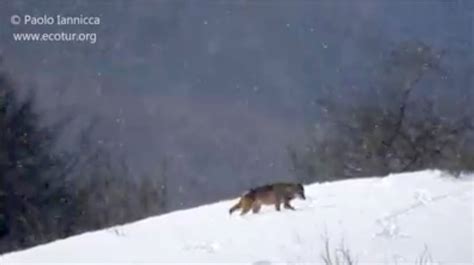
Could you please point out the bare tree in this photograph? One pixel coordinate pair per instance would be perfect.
(394, 130)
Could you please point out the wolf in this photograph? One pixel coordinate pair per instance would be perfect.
(271, 194)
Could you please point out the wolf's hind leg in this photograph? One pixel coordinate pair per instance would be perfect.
(244, 211)
(256, 207)
(246, 206)
(277, 204)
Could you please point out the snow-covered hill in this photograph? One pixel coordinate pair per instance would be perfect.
(381, 220)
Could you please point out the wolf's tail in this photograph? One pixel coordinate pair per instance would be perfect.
(234, 208)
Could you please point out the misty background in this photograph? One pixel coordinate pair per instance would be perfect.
(214, 97)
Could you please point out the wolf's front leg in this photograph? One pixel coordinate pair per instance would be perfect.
(287, 205)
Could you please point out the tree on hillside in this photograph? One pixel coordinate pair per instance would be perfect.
(48, 193)
(394, 130)
(107, 189)
(33, 199)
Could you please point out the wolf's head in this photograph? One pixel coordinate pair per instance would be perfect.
(300, 191)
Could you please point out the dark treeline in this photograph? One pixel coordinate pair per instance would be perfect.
(47, 193)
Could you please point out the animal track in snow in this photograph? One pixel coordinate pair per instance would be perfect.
(209, 247)
(423, 196)
(389, 228)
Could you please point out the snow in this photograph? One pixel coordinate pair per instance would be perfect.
(390, 220)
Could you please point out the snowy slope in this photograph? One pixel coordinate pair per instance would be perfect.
(381, 220)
